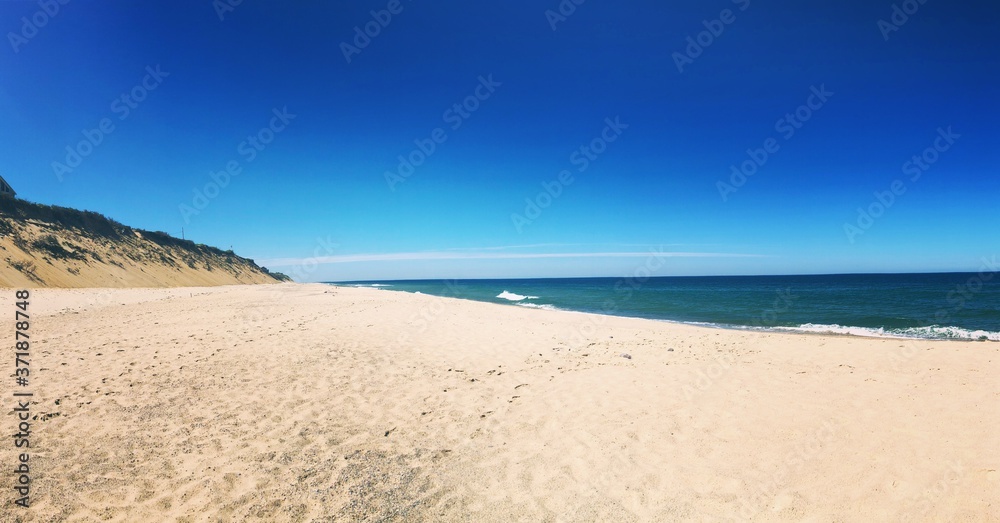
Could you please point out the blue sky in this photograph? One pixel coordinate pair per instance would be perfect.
(635, 128)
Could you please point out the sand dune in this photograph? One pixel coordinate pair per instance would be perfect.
(44, 246)
(314, 403)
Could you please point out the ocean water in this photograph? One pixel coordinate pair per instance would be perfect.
(963, 306)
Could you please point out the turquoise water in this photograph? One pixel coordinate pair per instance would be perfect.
(935, 306)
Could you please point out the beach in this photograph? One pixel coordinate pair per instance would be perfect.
(297, 402)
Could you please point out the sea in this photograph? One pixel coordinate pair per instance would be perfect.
(945, 306)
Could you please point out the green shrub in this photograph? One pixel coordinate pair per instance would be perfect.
(50, 244)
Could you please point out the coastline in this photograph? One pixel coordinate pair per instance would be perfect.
(799, 330)
(296, 402)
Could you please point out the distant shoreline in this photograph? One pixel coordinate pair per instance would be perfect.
(900, 306)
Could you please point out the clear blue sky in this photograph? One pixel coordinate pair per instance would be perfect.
(691, 113)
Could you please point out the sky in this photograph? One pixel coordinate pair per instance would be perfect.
(380, 140)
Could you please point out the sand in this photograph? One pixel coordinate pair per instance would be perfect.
(38, 254)
(314, 403)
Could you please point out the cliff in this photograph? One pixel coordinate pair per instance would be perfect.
(49, 246)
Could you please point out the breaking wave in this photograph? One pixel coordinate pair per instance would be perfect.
(515, 297)
(933, 332)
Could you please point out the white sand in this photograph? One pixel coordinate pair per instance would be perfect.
(314, 403)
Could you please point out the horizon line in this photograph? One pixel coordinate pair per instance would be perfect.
(666, 276)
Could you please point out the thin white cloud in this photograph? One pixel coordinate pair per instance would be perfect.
(451, 255)
(563, 245)
(508, 247)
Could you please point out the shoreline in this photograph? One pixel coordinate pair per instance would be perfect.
(300, 402)
(707, 325)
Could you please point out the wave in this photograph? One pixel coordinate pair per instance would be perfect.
(515, 297)
(933, 332)
(543, 306)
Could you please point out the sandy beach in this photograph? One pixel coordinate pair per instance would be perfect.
(317, 403)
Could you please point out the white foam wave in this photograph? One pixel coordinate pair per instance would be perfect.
(935, 332)
(543, 306)
(515, 297)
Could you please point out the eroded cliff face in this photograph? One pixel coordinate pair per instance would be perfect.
(46, 246)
